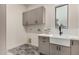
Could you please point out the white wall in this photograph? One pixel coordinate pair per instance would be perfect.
(73, 19)
(16, 34)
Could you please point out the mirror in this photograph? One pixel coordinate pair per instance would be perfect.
(61, 16)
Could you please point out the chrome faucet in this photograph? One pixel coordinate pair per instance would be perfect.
(60, 32)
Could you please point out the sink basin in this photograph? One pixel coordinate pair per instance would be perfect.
(60, 41)
(68, 37)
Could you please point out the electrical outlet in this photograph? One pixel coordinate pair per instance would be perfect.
(29, 40)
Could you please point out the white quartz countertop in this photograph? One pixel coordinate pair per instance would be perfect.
(46, 35)
(70, 37)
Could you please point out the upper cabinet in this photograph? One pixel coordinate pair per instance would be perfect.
(34, 17)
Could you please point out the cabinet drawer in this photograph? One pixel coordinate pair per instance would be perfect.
(45, 52)
(44, 46)
(44, 49)
(43, 39)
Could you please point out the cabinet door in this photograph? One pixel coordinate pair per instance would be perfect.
(35, 16)
(54, 49)
(74, 47)
(65, 50)
(44, 45)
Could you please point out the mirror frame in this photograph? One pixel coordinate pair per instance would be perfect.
(65, 27)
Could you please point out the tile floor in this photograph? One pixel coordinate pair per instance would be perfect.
(24, 49)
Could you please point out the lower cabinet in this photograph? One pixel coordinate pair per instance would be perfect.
(44, 45)
(74, 47)
(56, 49)
(47, 48)
(65, 50)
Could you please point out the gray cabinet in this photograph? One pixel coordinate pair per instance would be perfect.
(56, 49)
(44, 45)
(65, 50)
(74, 47)
(34, 16)
(53, 49)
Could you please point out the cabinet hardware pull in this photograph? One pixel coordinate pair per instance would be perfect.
(72, 43)
(44, 41)
(36, 22)
(57, 47)
(44, 38)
